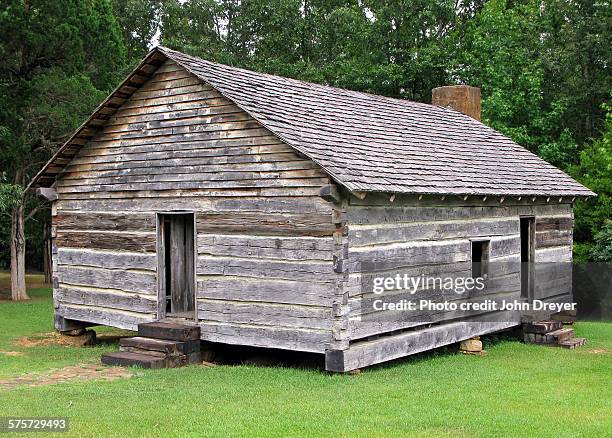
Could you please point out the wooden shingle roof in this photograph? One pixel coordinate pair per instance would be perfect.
(372, 143)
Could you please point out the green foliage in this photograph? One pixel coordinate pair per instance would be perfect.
(139, 21)
(602, 249)
(55, 104)
(195, 27)
(575, 53)
(10, 196)
(499, 52)
(582, 252)
(56, 57)
(79, 37)
(392, 48)
(595, 171)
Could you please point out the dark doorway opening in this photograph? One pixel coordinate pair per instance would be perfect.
(177, 265)
(480, 258)
(527, 256)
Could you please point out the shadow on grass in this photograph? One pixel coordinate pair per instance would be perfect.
(267, 357)
(222, 354)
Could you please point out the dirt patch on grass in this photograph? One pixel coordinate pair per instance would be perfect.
(82, 372)
(44, 339)
(56, 338)
(12, 353)
(597, 351)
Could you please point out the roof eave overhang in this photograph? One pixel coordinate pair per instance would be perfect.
(361, 193)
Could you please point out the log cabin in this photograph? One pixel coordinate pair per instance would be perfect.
(253, 206)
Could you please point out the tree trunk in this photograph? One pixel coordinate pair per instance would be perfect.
(18, 284)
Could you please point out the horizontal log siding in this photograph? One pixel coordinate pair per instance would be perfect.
(432, 237)
(271, 287)
(264, 268)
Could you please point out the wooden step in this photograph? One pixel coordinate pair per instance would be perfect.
(168, 347)
(541, 327)
(573, 343)
(150, 359)
(538, 338)
(553, 337)
(146, 352)
(562, 334)
(126, 359)
(184, 359)
(169, 331)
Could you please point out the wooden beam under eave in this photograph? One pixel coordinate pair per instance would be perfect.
(360, 195)
(138, 79)
(106, 110)
(330, 193)
(122, 95)
(148, 69)
(127, 90)
(115, 102)
(48, 193)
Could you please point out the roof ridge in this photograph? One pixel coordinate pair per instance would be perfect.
(301, 81)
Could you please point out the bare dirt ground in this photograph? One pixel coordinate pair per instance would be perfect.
(597, 351)
(12, 353)
(81, 372)
(55, 338)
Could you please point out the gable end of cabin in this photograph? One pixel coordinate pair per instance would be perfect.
(263, 272)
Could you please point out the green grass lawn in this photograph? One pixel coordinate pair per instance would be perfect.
(516, 390)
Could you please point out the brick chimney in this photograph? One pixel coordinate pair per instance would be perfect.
(462, 98)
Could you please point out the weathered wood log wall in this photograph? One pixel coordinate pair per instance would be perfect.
(432, 236)
(264, 236)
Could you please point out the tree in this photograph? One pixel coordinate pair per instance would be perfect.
(576, 52)
(602, 249)
(498, 52)
(140, 22)
(56, 58)
(595, 171)
(396, 48)
(198, 27)
(10, 202)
